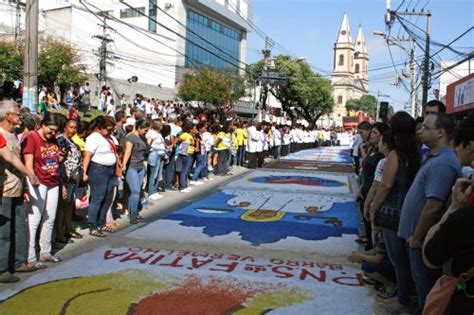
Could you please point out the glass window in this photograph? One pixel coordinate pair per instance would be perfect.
(341, 60)
(201, 53)
(130, 13)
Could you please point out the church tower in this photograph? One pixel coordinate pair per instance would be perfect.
(361, 60)
(343, 72)
(349, 75)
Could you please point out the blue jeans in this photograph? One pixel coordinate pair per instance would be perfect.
(101, 180)
(134, 180)
(155, 172)
(201, 160)
(423, 277)
(13, 233)
(397, 253)
(241, 155)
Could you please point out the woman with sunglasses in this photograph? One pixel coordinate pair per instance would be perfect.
(100, 158)
(42, 156)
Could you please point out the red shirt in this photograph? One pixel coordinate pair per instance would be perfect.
(73, 113)
(45, 158)
(3, 141)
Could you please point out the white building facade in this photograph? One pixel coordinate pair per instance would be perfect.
(156, 41)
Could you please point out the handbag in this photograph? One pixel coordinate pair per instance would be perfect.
(118, 163)
(437, 301)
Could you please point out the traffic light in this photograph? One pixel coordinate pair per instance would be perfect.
(383, 110)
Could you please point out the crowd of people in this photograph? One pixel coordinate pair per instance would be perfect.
(417, 209)
(115, 164)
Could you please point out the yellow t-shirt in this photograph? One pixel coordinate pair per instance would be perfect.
(239, 134)
(80, 143)
(226, 140)
(246, 135)
(186, 137)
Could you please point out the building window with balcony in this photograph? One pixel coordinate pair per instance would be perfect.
(131, 13)
(341, 60)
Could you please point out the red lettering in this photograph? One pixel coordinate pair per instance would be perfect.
(233, 257)
(350, 281)
(217, 256)
(135, 249)
(307, 264)
(247, 258)
(321, 278)
(134, 256)
(277, 261)
(174, 263)
(321, 265)
(183, 253)
(281, 274)
(293, 263)
(199, 254)
(336, 267)
(110, 255)
(196, 264)
(151, 250)
(227, 267)
(157, 259)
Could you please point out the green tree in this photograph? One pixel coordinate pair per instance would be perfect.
(11, 67)
(367, 104)
(59, 64)
(211, 87)
(304, 94)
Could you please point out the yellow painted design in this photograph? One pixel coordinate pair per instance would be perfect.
(265, 301)
(100, 294)
(259, 215)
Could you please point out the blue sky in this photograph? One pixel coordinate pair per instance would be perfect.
(308, 28)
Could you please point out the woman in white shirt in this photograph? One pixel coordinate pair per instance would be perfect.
(155, 158)
(100, 158)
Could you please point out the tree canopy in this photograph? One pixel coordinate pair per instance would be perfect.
(304, 94)
(58, 64)
(367, 104)
(212, 87)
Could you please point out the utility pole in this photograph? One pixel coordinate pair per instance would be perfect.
(426, 79)
(413, 94)
(30, 71)
(103, 52)
(267, 52)
(18, 21)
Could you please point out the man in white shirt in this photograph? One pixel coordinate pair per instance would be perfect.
(252, 143)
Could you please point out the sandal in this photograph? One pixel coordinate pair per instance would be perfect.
(96, 233)
(108, 229)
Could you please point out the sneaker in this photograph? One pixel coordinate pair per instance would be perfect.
(195, 183)
(186, 190)
(155, 196)
(50, 258)
(210, 168)
(7, 277)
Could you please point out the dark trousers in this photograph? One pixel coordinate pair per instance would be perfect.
(13, 233)
(276, 151)
(168, 174)
(252, 159)
(101, 180)
(260, 158)
(222, 162)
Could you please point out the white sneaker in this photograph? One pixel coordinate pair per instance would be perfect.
(186, 190)
(195, 183)
(210, 168)
(155, 196)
